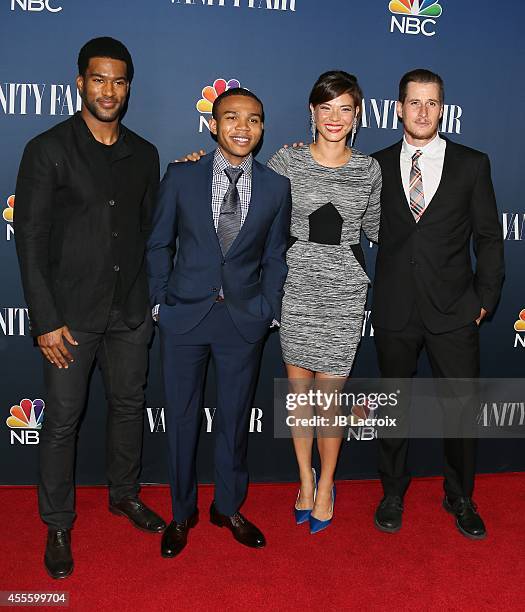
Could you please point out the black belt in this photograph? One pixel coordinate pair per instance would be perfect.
(357, 249)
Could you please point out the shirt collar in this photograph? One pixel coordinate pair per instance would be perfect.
(220, 163)
(432, 149)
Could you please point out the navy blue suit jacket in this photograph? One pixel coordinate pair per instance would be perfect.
(185, 264)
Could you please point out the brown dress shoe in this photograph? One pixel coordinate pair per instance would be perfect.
(175, 536)
(243, 531)
(139, 514)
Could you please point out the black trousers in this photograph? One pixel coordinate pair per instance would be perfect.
(122, 355)
(452, 354)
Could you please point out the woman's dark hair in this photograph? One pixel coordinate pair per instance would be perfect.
(105, 46)
(335, 83)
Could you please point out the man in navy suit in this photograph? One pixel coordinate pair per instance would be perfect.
(216, 267)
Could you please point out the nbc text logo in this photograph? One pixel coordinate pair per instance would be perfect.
(209, 94)
(414, 16)
(519, 328)
(8, 215)
(25, 420)
(35, 5)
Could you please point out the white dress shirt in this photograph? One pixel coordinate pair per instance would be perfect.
(430, 163)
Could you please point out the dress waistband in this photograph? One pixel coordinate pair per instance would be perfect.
(357, 249)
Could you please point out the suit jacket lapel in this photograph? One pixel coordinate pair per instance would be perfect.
(253, 209)
(396, 172)
(203, 193)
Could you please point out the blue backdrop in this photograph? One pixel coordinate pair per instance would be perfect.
(276, 48)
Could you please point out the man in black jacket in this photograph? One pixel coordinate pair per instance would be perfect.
(437, 197)
(84, 195)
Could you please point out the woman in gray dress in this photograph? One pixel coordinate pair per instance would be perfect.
(335, 195)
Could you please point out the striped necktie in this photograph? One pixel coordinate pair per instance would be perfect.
(417, 197)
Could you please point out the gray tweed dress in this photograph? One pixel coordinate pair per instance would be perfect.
(325, 291)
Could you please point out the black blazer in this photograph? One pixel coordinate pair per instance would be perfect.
(429, 263)
(66, 213)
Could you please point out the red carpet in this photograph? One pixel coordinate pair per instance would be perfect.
(349, 566)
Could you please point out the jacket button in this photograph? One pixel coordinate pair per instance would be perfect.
(111, 202)
(215, 288)
(114, 234)
(116, 268)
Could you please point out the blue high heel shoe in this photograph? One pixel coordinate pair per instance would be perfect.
(302, 515)
(315, 524)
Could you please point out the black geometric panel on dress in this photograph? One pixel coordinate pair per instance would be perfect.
(325, 225)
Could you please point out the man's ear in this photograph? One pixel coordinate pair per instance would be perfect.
(213, 126)
(80, 83)
(441, 112)
(399, 109)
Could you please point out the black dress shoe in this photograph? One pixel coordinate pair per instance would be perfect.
(388, 516)
(175, 536)
(140, 515)
(468, 521)
(58, 558)
(243, 531)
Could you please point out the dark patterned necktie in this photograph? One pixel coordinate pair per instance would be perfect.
(230, 216)
(417, 197)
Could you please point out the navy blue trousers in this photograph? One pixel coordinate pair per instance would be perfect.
(185, 358)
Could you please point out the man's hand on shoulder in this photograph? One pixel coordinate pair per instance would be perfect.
(195, 156)
(53, 347)
(294, 145)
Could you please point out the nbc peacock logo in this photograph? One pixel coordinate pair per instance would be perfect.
(416, 16)
(519, 328)
(423, 8)
(209, 94)
(8, 215)
(24, 421)
(9, 211)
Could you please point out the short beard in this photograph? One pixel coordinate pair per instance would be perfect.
(429, 137)
(95, 111)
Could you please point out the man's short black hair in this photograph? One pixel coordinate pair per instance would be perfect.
(105, 46)
(235, 91)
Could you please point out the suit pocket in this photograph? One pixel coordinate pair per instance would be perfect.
(165, 311)
(249, 291)
(455, 272)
